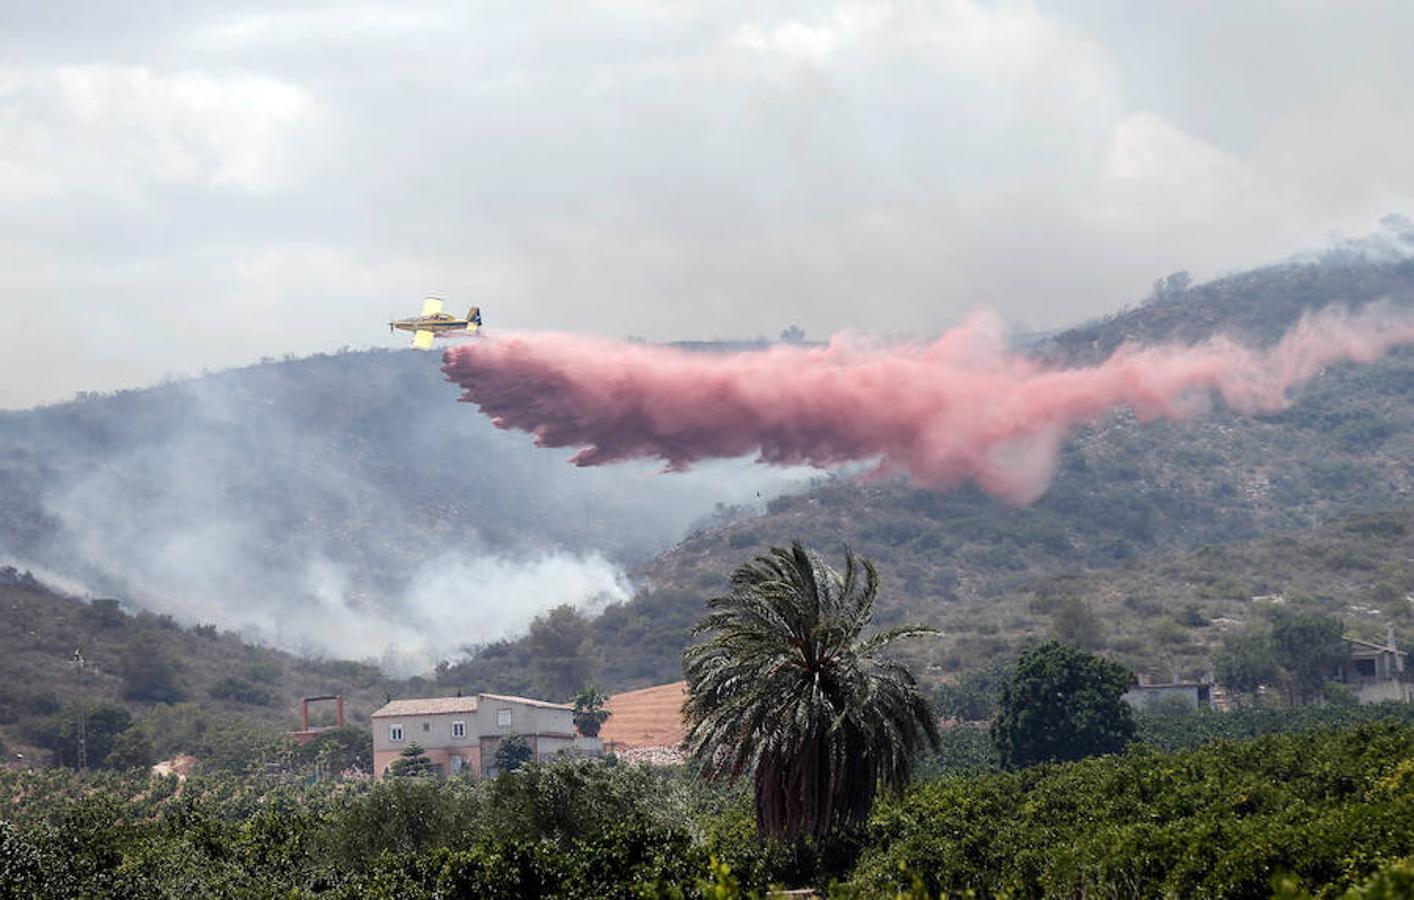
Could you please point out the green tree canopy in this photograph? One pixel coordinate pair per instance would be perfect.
(411, 762)
(149, 673)
(559, 646)
(95, 726)
(589, 711)
(787, 686)
(238, 745)
(104, 612)
(132, 749)
(513, 752)
(1074, 622)
(1245, 661)
(1308, 647)
(242, 690)
(973, 696)
(336, 750)
(1062, 704)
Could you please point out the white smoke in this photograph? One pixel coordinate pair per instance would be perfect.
(451, 602)
(235, 500)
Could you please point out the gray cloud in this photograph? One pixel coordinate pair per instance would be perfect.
(200, 185)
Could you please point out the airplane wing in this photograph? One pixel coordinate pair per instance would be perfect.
(422, 339)
(431, 306)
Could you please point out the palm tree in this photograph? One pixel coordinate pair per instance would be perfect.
(787, 686)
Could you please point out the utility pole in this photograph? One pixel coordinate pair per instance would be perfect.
(83, 710)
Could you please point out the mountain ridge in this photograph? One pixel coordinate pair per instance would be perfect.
(344, 501)
(1124, 491)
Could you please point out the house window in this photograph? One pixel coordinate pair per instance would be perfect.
(503, 718)
(426, 727)
(395, 732)
(1365, 668)
(458, 729)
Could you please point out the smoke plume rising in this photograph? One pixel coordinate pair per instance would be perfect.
(332, 506)
(963, 407)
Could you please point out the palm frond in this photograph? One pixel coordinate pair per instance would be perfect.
(784, 684)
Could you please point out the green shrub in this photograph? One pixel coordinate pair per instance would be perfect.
(512, 752)
(1192, 616)
(1324, 812)
(1208, 726)
(242, 690)
(84, 730)
(1062, 703)
(131, 750)
(149, 672)
(1074, 622)
(973, 697)
(1219, 821)
(337, 750)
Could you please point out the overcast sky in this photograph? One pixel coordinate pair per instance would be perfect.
(196, 185)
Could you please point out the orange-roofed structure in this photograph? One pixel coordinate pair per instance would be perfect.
(648, 717)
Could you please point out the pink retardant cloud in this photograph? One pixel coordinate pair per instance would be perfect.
(960, 408)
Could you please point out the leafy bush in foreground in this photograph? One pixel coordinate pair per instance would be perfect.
(571, 829)
(1313, 813)
(1326, 807)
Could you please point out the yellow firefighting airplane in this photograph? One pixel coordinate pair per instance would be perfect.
(433, 322)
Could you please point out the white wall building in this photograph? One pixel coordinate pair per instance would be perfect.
(462, 733)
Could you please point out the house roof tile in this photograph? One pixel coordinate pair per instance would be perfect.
(1371, 645)
(428, 706)
(543, 704)
(432, 706)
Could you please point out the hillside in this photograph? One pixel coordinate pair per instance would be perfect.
(1164, 615)
(1125, 492)
(1128, 497)
(344, 503)
(1254, 306)
(190, 678)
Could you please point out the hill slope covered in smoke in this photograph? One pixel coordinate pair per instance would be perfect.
(343, 503)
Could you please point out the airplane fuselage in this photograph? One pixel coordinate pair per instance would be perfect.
(436, 323)
(433, 322)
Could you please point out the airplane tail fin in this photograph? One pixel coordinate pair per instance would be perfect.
(473, 319)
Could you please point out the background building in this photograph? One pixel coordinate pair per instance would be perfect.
(462, 733)
(1376, 672)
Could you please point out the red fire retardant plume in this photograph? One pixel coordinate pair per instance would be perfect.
(962, 407)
